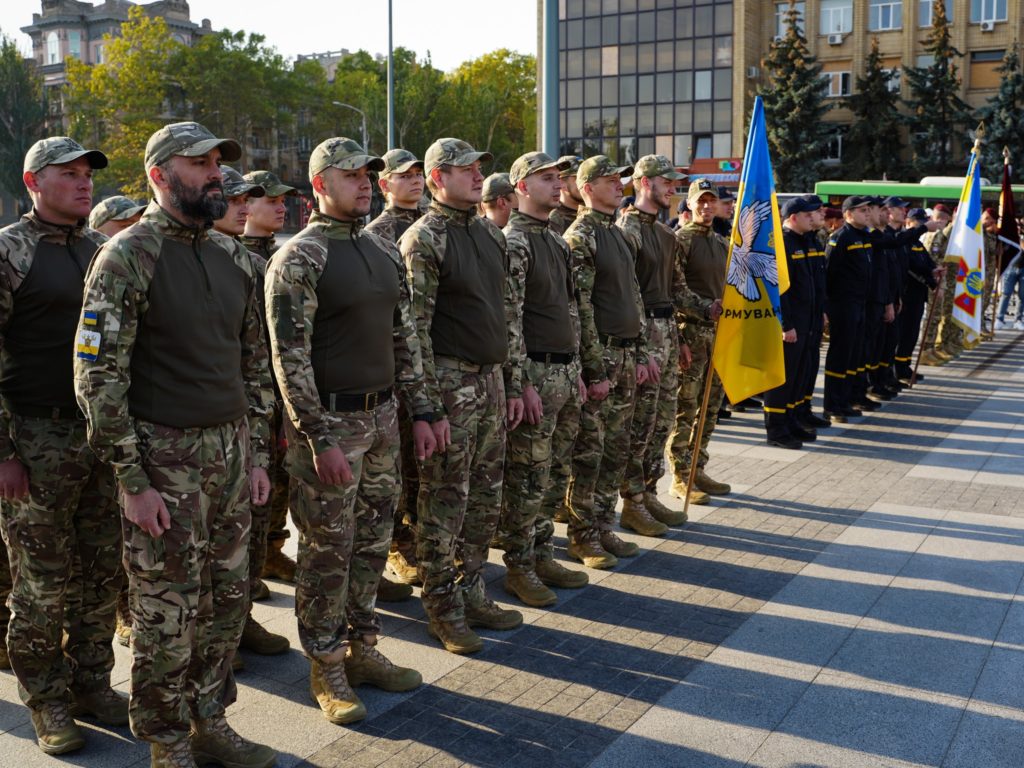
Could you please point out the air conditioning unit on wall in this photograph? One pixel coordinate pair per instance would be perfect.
(753, 72)
(987, 26)
(835, 39)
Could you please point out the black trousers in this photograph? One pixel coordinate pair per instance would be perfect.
(914, 302)
(846, 321)
(780, 403)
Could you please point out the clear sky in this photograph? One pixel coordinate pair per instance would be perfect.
(452, 31)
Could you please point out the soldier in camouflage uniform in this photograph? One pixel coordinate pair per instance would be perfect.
(949, 336)
(59, 515)
(5, 612)
(569, 199)
(553, 390)
(498, 199)
(465, 316)
(266, 217)
(115, 213)
(703, 254)
(171, 372)
(667, 301)
(935, 244)
(343, 338)
(990, 237)
(402, 184)
(614, 363)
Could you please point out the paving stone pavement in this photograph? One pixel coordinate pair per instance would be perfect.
(857, 603)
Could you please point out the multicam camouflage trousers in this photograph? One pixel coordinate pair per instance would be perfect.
(460, 491)
(691, 391)
(950, 336)
(189, 588)
(5, 590)
(404, 537)
(64, 544)
(275, 511)
(344, 530)
(602, 448)
(525, 522)
(655, 411)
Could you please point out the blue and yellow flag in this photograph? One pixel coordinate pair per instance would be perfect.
(748, 345)
(966, 249)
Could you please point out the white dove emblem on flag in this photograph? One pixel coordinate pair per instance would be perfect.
(747, 264)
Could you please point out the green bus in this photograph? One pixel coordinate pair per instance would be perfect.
(922, 195)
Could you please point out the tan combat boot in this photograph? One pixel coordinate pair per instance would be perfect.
(489, 615)
(710, 486)
(610, 542)
(278, 565)
(365, 665)
(105, 704)
(590, 552)
(635, 517)
(455, 636)
(258, 639)
(56, 732)
(661, 513)
(524, 584)
(554, 574)
(403, 566)
(330, 687)
(561, 514)
(697, 496)
(214, 741)
(392, 592)
(175, 755)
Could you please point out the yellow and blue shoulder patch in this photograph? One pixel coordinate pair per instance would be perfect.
(87, 346)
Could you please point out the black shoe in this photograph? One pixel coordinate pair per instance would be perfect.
(804, 435)
(724, 413)
(865, 406)
(750, 402)
(810, 421)
(837, 417)
(785, 441)
(878, 395)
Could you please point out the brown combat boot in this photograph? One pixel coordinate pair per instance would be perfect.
(661, 513)
(710, 486)
(392, 592)
(5, 658)
(278, 565)
(330, 687)
(56, 732)
(237, 662)
(365, 665)
(258, 639)
(525, 584)
(489, 615)
(610, 542)
(214, 741)
(697, 496)
(175, 755)
(455, 636)
(403, 566)
(590, 552)
(561, 514)
(262, 591)
(635, 517)
(104, 704)
(554, 574)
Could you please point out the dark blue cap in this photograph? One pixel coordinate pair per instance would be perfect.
(895, 202)
(796, 205)
(918, 214)
(683, 206)
(724, 193)
(817, 201)
(856, 201)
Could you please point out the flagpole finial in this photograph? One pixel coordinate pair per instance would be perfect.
(1006, 155)
(979, 135)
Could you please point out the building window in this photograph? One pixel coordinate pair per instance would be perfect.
(885, 14)
(988, 10)
(837, 83)
(925, 8)
(98, 59)
(833, 152)
(781, 25)
(983, 74)
(75, 44)
(836, 17)
(701, 146)
(895, 79)
(610, 60)
(702, 85)
(52, 48)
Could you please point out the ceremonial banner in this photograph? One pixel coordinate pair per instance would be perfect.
(966, 251)
(748, 345)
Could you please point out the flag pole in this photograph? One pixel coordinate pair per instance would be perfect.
(709, 374)
(927, 328)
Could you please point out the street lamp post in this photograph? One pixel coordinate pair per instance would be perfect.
(362, 115)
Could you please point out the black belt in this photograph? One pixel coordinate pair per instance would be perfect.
(552, 358)
(456, 364)
(334, 401)
(615, 341)
(47, 412)
(662, 312)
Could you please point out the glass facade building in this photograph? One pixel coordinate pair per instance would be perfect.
(643, 76)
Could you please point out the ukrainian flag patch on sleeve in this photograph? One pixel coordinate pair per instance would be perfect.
(87, 346)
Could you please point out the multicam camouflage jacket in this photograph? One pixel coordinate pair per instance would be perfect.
(291, 295)
(263, 246)
(561, 218)
(116, 301)
(393, 222)
(423, 248)
(18, 243)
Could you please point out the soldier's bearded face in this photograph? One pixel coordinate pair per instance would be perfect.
(661, 191)
(573, 190)
(201, 200)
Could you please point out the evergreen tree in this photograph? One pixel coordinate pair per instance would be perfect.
(1004, 116)
(22, 113)
(794, 104)
(873, 144)
(938, 117)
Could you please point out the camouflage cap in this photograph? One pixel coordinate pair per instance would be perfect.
(532, 162)
(699, 187)
(399, 161)
(187, 140)
(452, 152)
(574, 165)
(269, 183)
(58, 150)
(342, 153)
(656, 165)
(236, 185)
(496, 185)
(116, 208)
(599, 166)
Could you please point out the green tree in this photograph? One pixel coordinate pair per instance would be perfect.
(938, 118)
(873, 144)
(1004, 116)
(118, 104)
(794, 105)
(22, 113)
